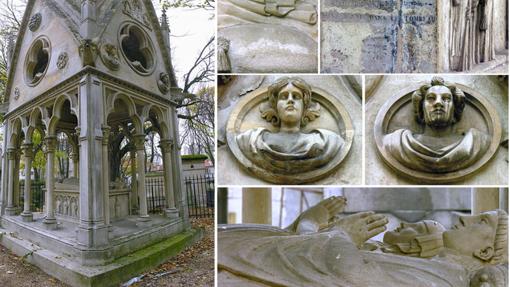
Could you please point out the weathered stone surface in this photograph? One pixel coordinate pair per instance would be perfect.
(401, 36)
(267, 36)
(235, 91)
(490, 89)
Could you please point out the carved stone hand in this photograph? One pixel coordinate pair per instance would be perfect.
(362, 226)
(319, 216)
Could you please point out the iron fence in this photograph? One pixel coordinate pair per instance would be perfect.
(200, 195)
(37, 195)
(199, 190)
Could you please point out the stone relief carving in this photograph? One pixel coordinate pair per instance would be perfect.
(62, 60)
(274, 28)
(88, 52)
(164, 83)
(439, 143)
(66, 205)
(16, 93)
(327, 251)
(471, 33)
(134, 9)
(285, 149)
(35, 22)
(223, 60)
(110, 56)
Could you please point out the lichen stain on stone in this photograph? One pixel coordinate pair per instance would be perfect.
(266, 44)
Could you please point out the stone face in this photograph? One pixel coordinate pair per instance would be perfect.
(418, 149)
(264, 147)
(267, 37)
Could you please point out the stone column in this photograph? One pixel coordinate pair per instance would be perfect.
(106, 174)
(222, 209)
(166, 149)
(5, 170)
(16, 181)
(134, 182)
(257, 205)
(74, 158)
(139, 141)
(180, 195)
(11, 209)
(26, 215)
(92, 232)
(51, 143)
(484, 199)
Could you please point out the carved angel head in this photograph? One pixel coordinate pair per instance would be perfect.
(438, 103)
(290, 99)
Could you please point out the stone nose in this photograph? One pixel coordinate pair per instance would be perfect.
(438, 101)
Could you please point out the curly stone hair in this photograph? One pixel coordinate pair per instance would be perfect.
(311, 109)
(459, 99)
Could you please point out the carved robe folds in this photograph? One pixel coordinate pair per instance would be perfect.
(405, 148)
(308, 150)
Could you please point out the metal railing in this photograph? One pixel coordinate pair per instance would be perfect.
(37, 195)
(200, 194)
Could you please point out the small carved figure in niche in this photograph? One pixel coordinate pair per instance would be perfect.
(66, 205)
(88, 52)
(59, 205)
(471, 33)
(74, 207)
(35, 22)
(164, 82)
(289, 107)
(438, 148)
(326, 251)
(110, 56)
(62, 60)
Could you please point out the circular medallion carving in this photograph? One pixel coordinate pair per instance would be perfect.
(164, 82)
(289, 132)
(110, 56)
(16, 93)
(35, 22)
(62, 60)
(438, 132)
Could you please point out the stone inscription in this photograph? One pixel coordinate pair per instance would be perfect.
(397, 30)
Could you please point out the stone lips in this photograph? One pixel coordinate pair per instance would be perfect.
(328, 103)
(474, 101)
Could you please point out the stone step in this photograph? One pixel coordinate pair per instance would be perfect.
(497, 66)
(67, 269)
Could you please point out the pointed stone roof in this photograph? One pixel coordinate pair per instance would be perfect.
(70, 12)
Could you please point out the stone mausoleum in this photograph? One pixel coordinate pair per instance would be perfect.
(90, 70)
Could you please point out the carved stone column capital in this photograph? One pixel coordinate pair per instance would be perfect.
(51, 143)
(27, 149)
(11, 153)
(106, 134)
(166, 145)
(139, 141)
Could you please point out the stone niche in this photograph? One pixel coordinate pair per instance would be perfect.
(403, 146)
(256, 147)
(267, 36)
(390, 36)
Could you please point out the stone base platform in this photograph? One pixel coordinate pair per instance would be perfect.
(497, 66)
(133, 247)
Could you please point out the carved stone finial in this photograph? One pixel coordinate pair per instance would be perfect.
(16, 93)
(164, 19)
(35, 22)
